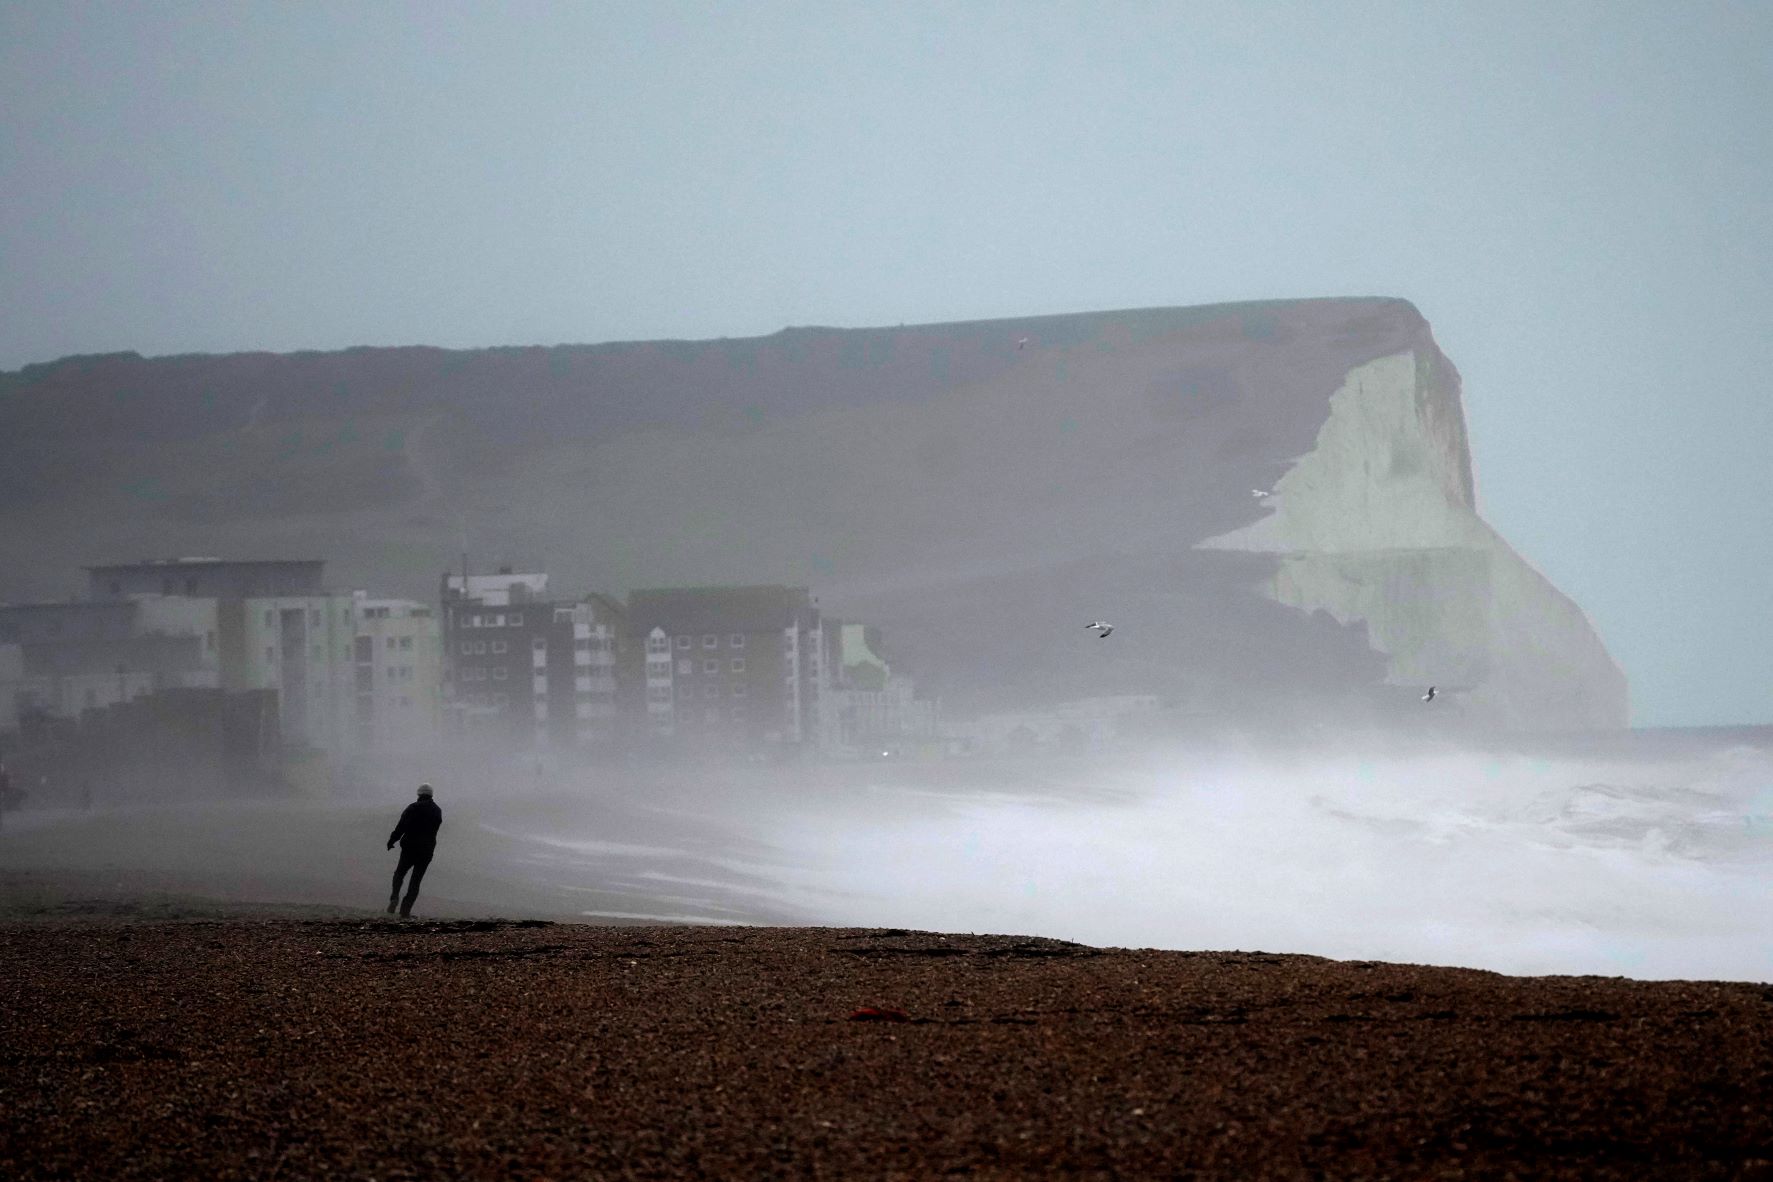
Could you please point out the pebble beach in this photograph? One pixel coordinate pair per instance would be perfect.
(269, 1047)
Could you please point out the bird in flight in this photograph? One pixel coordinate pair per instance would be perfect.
(1022, 344)
(1429, 696)
(1102, 628)
(1260, 492)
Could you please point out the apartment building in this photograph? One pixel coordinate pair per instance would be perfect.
(877, 710)
(275, 626)
(397, 677)
(69, 657)
(524, 668)
(574, 674)
(717, 667)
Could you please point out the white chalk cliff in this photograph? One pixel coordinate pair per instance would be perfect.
(1377, 525)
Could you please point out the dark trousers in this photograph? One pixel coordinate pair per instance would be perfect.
(415, 860)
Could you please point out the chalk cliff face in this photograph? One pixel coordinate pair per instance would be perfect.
(1377, 524)
(980, 491)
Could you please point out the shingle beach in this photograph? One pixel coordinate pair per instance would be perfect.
(257, 1048)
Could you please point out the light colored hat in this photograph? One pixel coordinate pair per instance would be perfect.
(424, 789)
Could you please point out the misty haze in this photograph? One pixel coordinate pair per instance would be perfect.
(809, 644)
(681, 590)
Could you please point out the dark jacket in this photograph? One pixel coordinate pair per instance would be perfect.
(418, 826)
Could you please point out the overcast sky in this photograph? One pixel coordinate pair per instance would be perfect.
(1576, 195)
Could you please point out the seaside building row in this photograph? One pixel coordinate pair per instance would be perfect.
(499, 659)
(697, 668)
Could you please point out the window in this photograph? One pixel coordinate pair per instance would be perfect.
(738, 689)
(581, 644)
(738, 664)
(711, 690)
(501, 674)
(683, 642)
(658, 693)
(501, 699)
(517, 619)
(406, 642)
(498, 646)
(480, 646)
(686, 665)
(711, 665)
(737, 640)
(467, 647)
(710, 641)
(538, 644)
(390, 642)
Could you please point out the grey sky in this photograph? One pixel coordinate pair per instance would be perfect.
(1576, 195)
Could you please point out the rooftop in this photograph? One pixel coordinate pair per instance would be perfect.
(189, 562)
(715, 609)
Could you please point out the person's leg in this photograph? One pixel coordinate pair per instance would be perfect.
(406, 864)
(419, 867)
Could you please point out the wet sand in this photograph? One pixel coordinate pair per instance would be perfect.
(280, 1048)
(174, 861)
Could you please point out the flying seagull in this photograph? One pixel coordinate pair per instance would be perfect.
(1429, 696)
(1260, 492)
(1022, 344)
(1102, 628)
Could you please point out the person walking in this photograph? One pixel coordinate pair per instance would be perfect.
(417, 835)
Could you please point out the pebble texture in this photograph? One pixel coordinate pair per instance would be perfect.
(489, 1049)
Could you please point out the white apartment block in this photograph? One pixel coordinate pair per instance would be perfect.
(303, 646)
(397, 674)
